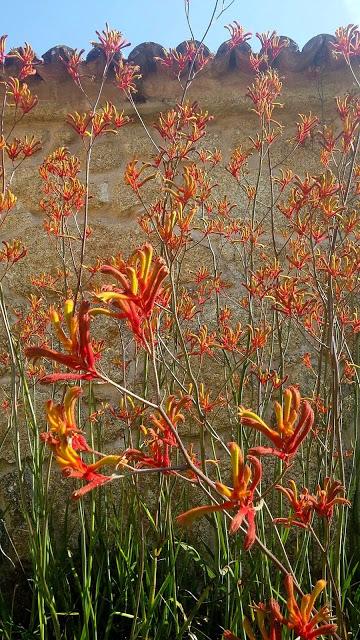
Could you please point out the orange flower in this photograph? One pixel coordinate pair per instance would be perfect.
(194, 57)
(238, 35)
(13, 251)
(202, 342)
(239, 497)
(72, 64)
(305, 127)
(300, 619)
(238, 161)
(110, 42)
(160, 437)
(30, 146)
(126, 75)
(7, 201)
(287, 435)
(80, 122)
(301, 504)
(65, 439)
(27, 58)
(327, 497)
(132, 175)
(21, 94)
(80, 355)
(62, 422)
(347, 41)
(271, 45)
(140, 281)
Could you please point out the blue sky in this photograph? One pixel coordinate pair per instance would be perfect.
(45, 23)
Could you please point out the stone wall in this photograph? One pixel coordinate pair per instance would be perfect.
(312, 77)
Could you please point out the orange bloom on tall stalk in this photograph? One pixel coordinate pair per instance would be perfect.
(7, 201)
(140, 281)
(293, 422)
(301, 504)
(240, 497)
(301, 618)
(79, 355)
(65, 439)
(110, 42)
(267, 621)
(27, 59)
(62, 422)
(238, 35)
(161, 439)
(72, 63)
(327, 497)
(306, 623)
(126, 75)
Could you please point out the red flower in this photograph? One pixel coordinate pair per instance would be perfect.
(80, 355)
(287, 436)
(240, 497)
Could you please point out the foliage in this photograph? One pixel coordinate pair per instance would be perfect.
(206, 351)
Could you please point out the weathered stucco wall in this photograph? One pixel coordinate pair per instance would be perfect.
(311, 80)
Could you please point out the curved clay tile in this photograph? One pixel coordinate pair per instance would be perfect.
(144, 56)
(237, 58)
(95, 61)
(181, 48)
(318, 52)
(289, 57)
(53, 67)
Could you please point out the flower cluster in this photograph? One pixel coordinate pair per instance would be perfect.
(301, 619)
(240, 497)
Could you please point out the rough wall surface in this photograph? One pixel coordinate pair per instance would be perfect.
(312, 78)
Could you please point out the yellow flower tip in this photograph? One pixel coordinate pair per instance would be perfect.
(223, 489)
(248, 629)
(110, 460)
(308, 601)
(71, 394)
(319, 587)
(134, 283)
(54, 316)
(69, 307)
(96, 311)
